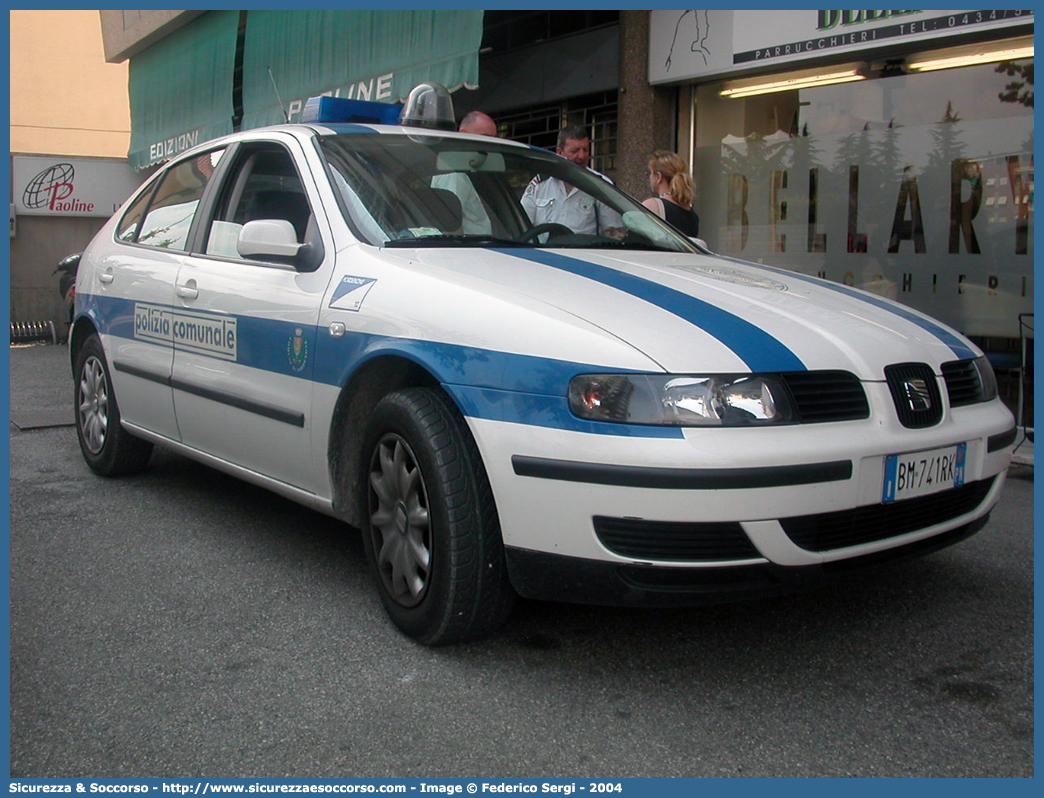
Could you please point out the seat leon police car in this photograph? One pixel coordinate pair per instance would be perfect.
(385, 323)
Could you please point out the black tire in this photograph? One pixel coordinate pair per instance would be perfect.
(431, 530)
(107, 447)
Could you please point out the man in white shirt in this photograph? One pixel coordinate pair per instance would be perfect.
(550, 200)
(475, 219)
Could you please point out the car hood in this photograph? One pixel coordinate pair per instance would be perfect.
(692, 312)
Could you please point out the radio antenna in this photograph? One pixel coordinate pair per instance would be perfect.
(286, 116)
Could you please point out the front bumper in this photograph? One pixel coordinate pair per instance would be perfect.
(551, 577)
(742, 502)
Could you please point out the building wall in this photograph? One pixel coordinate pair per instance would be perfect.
(546, 72)
(646, 113)
(126, 33)
(613, 58)
(41, 242)
(65, 101)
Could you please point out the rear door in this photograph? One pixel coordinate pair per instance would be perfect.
(133, 291)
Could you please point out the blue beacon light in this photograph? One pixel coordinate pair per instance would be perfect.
(335, 110)
(428, 105)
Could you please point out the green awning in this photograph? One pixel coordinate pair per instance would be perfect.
(370, 55)
(181, 88)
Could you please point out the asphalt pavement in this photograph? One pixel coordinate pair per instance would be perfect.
(183, 624)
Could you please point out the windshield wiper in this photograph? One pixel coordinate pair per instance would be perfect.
(455, 240)
(624, 244)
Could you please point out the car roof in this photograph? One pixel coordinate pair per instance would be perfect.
(353, 128)
(308, 130)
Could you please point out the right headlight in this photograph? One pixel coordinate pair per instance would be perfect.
(684, 400)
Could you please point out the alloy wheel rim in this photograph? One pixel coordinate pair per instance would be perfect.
(93, 405)
(400, 521)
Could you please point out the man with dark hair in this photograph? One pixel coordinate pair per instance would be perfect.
(550, 200)
(576, 134)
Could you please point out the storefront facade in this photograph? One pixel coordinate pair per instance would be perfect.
(912, 183)
(198, 75)
(195, 76)
(907, 178)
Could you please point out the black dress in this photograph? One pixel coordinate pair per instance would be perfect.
(685, 220)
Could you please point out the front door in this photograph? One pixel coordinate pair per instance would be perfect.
(243, 368)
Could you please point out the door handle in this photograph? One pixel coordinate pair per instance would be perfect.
(187, 291)
(106, 277)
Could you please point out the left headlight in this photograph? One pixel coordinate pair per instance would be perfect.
(987, 378)
(684, 400)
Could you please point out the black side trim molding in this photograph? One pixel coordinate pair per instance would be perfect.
(258, 408)
(682, 478)
(1002, 441)
(290, 417)
(145, 374)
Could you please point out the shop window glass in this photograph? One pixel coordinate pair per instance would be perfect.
(917, 187)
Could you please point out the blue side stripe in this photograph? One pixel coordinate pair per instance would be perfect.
(759, 350)
(486, 383)
(957, 346)
(552, 412)
(494, 385)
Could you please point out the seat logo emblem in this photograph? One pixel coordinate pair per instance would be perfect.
(917, 395)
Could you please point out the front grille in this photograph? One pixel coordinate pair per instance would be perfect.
(827, 396)
(674, 541)
(915, 392)
(829, 531)
(962, 383)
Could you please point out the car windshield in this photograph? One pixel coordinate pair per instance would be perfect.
(400, 190)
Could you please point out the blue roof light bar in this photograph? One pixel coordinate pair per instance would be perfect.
(333, 110)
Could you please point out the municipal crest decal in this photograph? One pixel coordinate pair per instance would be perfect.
(297, 350)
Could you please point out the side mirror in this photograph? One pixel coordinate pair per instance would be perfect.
(700, 243)
(268, 239)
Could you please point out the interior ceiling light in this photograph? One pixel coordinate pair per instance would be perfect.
(846, 76)
(970, 59)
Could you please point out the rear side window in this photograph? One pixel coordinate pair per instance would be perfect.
(128, 228)
(170, 214)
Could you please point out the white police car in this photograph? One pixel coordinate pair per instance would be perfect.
(617, 417)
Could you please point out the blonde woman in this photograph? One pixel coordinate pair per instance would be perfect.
(670, 181)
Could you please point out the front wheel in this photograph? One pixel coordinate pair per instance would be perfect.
(108, 448)
(431, 534)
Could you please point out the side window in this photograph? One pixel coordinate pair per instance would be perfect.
(264, 184)
(173, 206)
(128, 227)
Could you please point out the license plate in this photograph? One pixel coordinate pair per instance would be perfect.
(921, 473)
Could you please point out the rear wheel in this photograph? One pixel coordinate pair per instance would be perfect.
(432, 535)
(108, 448)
